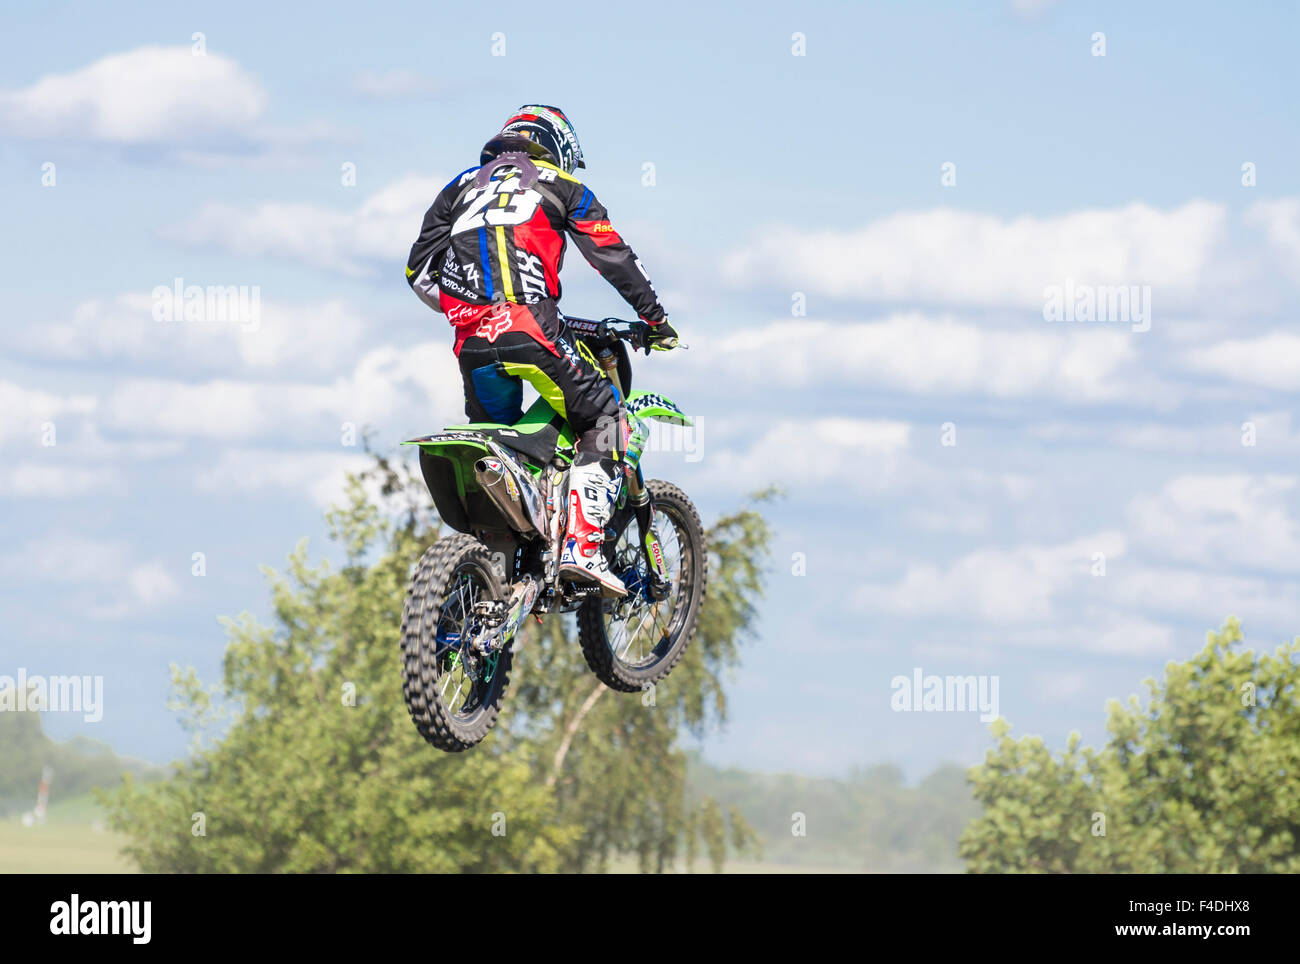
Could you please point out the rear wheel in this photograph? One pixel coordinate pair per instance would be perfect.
(452, 691)
(633, 642)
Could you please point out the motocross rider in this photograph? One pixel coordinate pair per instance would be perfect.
(488, 257)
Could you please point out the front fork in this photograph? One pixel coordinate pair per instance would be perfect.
(638, 495)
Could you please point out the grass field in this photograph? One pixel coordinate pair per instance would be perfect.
(628, 865)
(67, 843)
(60, 849)
(77, 848)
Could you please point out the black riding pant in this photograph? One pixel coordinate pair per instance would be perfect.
(569, 379)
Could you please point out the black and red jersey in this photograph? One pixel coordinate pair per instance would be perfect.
(502, 238)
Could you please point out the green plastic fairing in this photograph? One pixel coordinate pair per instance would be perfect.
(655, 405)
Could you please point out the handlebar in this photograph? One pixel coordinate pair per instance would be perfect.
(609, 330)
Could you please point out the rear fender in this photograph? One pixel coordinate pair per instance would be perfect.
(447, 464)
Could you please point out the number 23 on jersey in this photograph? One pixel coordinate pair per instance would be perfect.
(500, 203)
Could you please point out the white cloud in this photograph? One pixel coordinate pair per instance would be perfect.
(1146, 436)
(1216, 521)
(818, 455)
(1273, 432)
(115, 584)
(379, 232)
(150, 95)
(29, 479)
(25, 410)
(1280, 221)
(1132, 637)
(304, 337)
(922, 355)
(320, 475)
(961, 500)
(963, 520)
(1214, 532)
(997, 585)
(956, 257)
(69, 457)
(1052, 687)
(1110, 633)
(1210, 597)
(387, 384)
(1270, 361)
(152, 583)
(66, 558)
(1031, 9)
(217, 409)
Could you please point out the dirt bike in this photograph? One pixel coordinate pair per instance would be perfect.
(504, 489)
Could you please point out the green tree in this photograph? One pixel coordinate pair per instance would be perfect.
(305, 760)
(867, 820)
(714, 831)
(1204, 779)
(613, 758)
(78, 765)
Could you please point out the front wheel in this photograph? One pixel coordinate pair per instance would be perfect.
(634, 641)
(452, 690)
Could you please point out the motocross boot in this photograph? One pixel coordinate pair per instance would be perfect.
(593, 487)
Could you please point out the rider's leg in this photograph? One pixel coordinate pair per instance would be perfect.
(491, 395)
(572, 382)
(566, 375)
(593, 489)
(594, 483)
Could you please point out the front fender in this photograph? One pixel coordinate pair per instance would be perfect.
(655, 405)
(646, 405)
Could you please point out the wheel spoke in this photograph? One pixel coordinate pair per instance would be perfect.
(630, 622)
(635, 633)
(659, 622)
(452, 691)
(463, 618)
(454, 705)
(457, 617)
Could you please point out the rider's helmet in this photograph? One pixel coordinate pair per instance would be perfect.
(540, 131)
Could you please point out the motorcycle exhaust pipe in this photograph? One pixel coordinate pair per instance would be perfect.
(502, 489)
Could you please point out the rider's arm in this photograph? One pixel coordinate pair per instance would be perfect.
(429, 247)
(609, 254)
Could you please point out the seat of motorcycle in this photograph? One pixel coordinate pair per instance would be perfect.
(536, 434)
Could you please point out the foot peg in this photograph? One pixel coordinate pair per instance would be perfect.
(659, 587)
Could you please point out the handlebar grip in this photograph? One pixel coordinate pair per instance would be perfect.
(608, 330)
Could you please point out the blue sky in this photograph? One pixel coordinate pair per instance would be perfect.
(776, 179)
